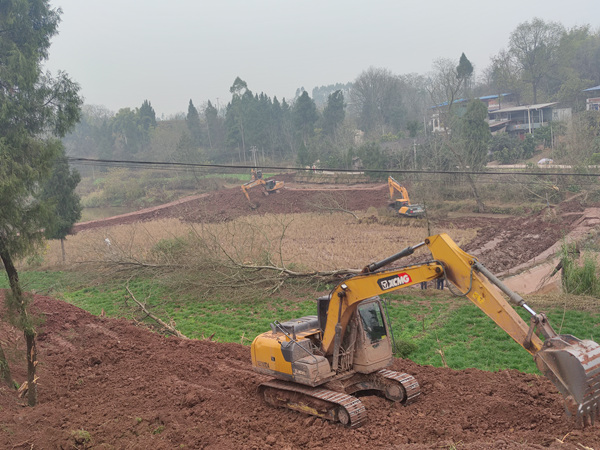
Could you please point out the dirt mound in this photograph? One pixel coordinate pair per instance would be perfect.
(501, 243)
(106, 383)
(227, 204)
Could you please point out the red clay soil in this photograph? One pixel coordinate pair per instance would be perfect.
(123, 386)
(126, 387)
(227, 204)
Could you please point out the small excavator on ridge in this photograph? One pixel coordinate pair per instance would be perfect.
(269, 186)
(402, 205)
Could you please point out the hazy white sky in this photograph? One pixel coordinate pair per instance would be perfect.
(123, 52)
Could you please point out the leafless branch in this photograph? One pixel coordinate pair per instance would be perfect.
(163, 324)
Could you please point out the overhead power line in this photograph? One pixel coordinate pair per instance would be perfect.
(173, 164)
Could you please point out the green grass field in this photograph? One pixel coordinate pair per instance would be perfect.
(435, 325)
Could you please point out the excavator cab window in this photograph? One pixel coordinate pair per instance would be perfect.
(372, 321)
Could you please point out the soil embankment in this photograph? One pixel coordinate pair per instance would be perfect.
(105, 383)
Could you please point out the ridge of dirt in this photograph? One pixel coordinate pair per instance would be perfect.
(501, 244)
(228, 204)
(130, 388)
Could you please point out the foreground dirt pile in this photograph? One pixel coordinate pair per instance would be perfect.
(106, 383)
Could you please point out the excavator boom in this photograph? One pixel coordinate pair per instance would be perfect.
(571, 364)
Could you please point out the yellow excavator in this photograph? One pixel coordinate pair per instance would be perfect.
(269, 186)
(320, 364)
(402, 205)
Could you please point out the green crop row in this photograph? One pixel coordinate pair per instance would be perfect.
(432, 328)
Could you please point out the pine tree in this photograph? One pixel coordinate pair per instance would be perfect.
(193, 123)
(59, 190)
(35, 109)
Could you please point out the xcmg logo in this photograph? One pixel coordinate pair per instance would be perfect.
(394, 281)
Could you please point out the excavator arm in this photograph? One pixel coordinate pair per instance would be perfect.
(394, 186)
(250, 185)
(571, 364)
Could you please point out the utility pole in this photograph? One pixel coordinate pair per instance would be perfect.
(253, 150)
(415, 152)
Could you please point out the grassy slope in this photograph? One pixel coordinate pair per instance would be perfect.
(433, 322)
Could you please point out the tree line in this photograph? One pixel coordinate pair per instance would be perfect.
(543, 62)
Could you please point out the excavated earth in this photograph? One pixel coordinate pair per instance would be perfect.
(107, 383)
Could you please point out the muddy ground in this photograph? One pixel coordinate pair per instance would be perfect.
(106, 383)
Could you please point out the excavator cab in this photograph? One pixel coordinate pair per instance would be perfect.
(372, 321)
(373, 345)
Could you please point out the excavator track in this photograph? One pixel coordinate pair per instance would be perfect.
(411, 387)
(324, 403)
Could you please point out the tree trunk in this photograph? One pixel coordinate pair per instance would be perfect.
(19, 300)
(62, 248)
(11, 272)
(5, 369)
(31, 366)
(480, 205)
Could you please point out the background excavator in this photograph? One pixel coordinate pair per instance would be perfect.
(269, 186)
(402, 204)
(321, 363)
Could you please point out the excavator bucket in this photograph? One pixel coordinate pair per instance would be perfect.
(573, 366)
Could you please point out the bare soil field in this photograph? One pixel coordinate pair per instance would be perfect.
(106, 383)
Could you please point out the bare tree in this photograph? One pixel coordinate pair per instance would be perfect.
(446, 84)
(376, 99)
(534, 46)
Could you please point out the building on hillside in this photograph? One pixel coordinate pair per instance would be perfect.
(593, 103)
(504, 114)
(521, 120)
(493, 103)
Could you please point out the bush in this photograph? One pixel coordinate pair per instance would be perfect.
(579, 279)
(402, 348)
(169, 249)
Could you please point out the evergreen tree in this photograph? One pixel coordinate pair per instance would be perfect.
(193, 123)
(59, 191)
(465, 68)
(305, 116)
(147, 115)
(35, 109)
(333, 114)
(211, 116)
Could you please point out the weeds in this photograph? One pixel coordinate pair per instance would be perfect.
(82, 438)
(579, 278)
(403, 348)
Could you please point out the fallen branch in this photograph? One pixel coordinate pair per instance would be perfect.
(335, 209)
(163, 324)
